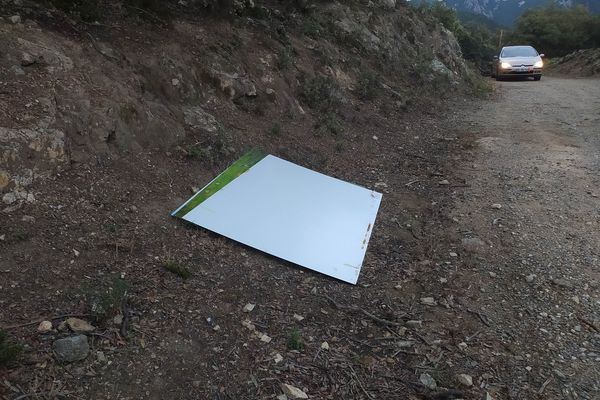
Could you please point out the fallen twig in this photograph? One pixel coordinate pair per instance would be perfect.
(162, 21)
(95, 45)
(360, 383)
(368, 314)
(412, 353)
(543, 387)
(482, 317)
(590, 324)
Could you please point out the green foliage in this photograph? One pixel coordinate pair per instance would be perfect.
(320, 92)
(481, 87)
(86, 10)
(90, 11)
(194, 151)
(329, 123)
(9, 351)
(104, 302)
(275, 130)
(477, 41)
(557, 31)
(20, 235)
(285, 58)
(212, 149)
(445, 15)
(312, 27)
(295, 342)
(177, 268)
(367, 84)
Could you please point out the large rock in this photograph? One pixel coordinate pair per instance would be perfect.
(293, 392)
(79, 326)
(428, 381)
(70, 349)
(389, 4)
(198, 119)
(233, 85)
(439, 68)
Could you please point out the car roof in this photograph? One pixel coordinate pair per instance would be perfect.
(516, 47)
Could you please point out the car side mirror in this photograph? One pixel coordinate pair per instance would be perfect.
(542, 55)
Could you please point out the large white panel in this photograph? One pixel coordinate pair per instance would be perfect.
(299, 215)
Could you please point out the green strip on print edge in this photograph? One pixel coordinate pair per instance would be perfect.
(236, 169)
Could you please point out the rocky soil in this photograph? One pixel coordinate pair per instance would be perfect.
(481, 278)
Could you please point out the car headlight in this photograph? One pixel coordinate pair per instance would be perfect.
(538, 64)
(505, 65)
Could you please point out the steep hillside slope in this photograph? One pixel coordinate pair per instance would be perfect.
(579, 63)
(74, 92)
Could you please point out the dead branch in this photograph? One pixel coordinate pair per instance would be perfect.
(482, 317)
(365, 312)
(95, 46)
(360, 383)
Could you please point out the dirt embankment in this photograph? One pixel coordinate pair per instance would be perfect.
(585, 63)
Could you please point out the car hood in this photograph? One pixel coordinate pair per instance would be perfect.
(520, 60)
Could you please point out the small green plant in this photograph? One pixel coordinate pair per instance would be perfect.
(320, 92)
(312, 28)
(105, 301)
(21, 235)
(329, 123)
(9, 351)
(367, 84)
(295, 342)
(127, 112)
(194, 151)
(480, 86)
(285, 58)
(153, 10)
(86, 10)
(275, 130)
(177, 268)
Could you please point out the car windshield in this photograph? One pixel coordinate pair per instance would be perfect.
(518, 52)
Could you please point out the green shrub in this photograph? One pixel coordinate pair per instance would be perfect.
(177, 268)
(329, 123)
(312, 28)
(275, 130)
(9, 351)
(103, 302)
(86, 10)
(285, 58)
(150, 9)
(367, 84)
(557, 31)
(295, 342)
(320, 92)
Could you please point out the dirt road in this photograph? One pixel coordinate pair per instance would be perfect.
(533, 197)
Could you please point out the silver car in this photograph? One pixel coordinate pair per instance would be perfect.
(518, 61)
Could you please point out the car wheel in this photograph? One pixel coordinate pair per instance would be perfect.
(537, 77)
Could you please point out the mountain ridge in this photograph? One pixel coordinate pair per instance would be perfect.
(505, 12)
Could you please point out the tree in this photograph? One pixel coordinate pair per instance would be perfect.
(557, 31)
